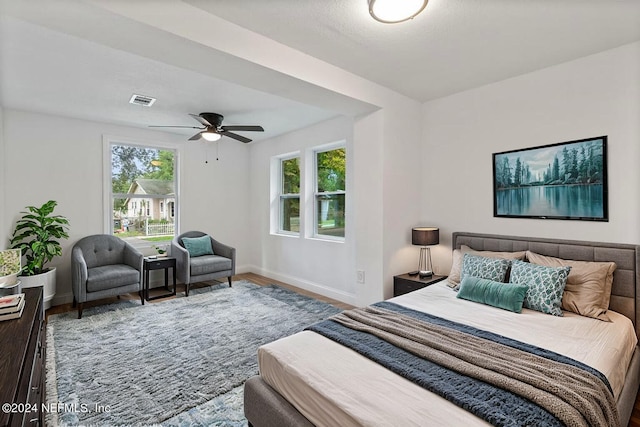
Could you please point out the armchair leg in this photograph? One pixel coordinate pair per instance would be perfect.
(79, 310)
(73, 304)
(186, 290)
(141, 297)
(229, 278)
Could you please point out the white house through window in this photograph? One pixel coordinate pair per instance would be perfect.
(143, 181)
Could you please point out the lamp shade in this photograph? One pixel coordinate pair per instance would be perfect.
(210, 135)
(425, 236)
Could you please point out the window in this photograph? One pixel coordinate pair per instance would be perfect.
(142, 182)
(308, 192)
(290, 195)
(330, 191)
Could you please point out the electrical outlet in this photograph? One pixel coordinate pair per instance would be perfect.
(360, 276)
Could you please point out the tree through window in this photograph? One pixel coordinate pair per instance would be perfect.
(330, 192)
(290, 195)
(143, 183)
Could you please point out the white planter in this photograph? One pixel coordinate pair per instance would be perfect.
(48, 280)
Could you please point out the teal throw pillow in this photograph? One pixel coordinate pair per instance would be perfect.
(484, 268)
(546, 285)
(198, 246)
(496, 294)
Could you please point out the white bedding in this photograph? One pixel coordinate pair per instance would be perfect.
(333, 385)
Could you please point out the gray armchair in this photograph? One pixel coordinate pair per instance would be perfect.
(103, 266)
(205, 267)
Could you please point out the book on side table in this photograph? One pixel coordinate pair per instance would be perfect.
(11, 307)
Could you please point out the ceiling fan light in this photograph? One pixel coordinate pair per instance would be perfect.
(210, 136)
(393, 11)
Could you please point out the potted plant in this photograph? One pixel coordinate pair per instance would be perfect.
(37, 235)
(162, 249)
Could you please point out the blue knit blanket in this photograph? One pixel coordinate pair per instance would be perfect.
(437, 354)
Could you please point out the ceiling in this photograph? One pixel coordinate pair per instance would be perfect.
(453, 45)
(78, 58)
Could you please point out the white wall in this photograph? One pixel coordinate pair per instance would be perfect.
(317, 265)
(215, 194)
(49, 157)
(593, 96)
(383, 190)
(403, 191)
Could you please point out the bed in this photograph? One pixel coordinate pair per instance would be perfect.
(308, 379)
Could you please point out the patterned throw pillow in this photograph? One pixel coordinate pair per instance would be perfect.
(456, 266)
(484, 268)
(588, 288)
(546, 285)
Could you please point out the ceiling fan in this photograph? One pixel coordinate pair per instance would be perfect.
(212, 128)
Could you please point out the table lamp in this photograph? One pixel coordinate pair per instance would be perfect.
(425, 237)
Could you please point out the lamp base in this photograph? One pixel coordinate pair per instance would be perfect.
(425, 268)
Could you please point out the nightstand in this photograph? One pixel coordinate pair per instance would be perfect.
(159, 263)
(403, 284)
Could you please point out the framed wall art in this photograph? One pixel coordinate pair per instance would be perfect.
(567, 180)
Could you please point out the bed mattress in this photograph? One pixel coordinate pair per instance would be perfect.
(333, 385)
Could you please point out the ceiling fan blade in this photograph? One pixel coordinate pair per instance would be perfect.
(247, 128)
(236, 136)
(186, 127)
(195, 137)
(203, 121)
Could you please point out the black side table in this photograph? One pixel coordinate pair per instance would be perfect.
(403, 284)
(164, 263)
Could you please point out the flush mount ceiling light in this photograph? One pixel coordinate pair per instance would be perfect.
(393, 11)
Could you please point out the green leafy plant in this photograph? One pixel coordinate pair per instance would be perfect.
(161, 249)
(36, 235)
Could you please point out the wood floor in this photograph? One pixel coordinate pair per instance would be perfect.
(263, 281)
(635, 415)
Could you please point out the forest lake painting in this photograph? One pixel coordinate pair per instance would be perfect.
(567, 180)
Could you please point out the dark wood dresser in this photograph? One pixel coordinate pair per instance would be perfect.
(22, 364)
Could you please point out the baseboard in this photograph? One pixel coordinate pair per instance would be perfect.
(61, 299)
(306, 285)
(67, 298)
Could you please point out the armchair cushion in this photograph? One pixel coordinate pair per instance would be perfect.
(209, 264)
(111, 276)
(198, 246)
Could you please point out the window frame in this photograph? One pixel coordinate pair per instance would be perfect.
(316, 194)
(110, 140)
(282, 196)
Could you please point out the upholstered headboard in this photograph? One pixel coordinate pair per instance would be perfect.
(626, 279)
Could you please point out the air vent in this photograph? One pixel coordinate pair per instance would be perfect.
(147, 101)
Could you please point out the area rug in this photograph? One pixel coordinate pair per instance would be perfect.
(177, 362)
